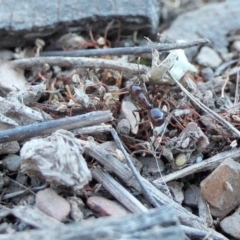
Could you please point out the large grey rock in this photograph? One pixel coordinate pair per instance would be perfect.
(22, 21)
(213, 21)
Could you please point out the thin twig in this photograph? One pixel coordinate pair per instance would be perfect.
(133, 169)
(208, 164)
(225, 84)
(118, 191)
(202, 233)
(236, 99)
(92, 130)
(126, 50)
(48, 127)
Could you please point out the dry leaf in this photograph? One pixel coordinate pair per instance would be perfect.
(127, 109)
(58, 158)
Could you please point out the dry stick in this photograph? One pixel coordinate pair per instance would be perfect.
(118, 191)
(102, 63)
(126, 50)
(202, 234)
(133, 169)
(110, 163)
(48, 127)
(92, 130)
(208, 164)
(124, 227)
(81, 62)
(207, 110)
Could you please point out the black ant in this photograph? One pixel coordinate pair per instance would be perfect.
(156, 116)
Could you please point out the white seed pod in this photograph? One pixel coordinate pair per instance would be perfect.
(181, 159)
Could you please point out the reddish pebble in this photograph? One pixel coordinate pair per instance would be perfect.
(106, 207)
(52, 204)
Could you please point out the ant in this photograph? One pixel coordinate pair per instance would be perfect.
(156, 116)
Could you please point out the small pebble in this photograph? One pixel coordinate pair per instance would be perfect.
(230, 224)
(199, 159)
(106, 207)
(236, 45)
(208, 57)
(6, 55)
(52, 204)
(191, 196)
(12, 162)
(207, 73)
(9, 147)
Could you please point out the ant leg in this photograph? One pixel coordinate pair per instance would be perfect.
(106, 31)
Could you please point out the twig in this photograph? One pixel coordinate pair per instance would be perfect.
(44, 128)
(207, 164)
(161, 219)
(81, 62)
(236, 99)
(110, 163)
(133, 169)
(202, 234)
(118, 191)
(207, 110)
(225, 84)
(92, 130)
(126, 50)
(225, 65)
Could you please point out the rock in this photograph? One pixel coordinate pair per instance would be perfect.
(176, 190)
(221, 188)
(106, 207)
(9, 147)
(151, 169)
(15, 79)
(206, 21)
(207, 73)
(236, 45)
(208, 58)
(27, 21)
(52, 204)
(204, 212)
(12, 162)
(76, 205)
(230, 224)
(6, 55)
(191, 196)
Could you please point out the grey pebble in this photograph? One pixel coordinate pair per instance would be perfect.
(12, 162)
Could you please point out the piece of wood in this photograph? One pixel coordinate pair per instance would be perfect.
(111, 163)
(125, 50)
(48, 127)
(118, 191)
(158, 223)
